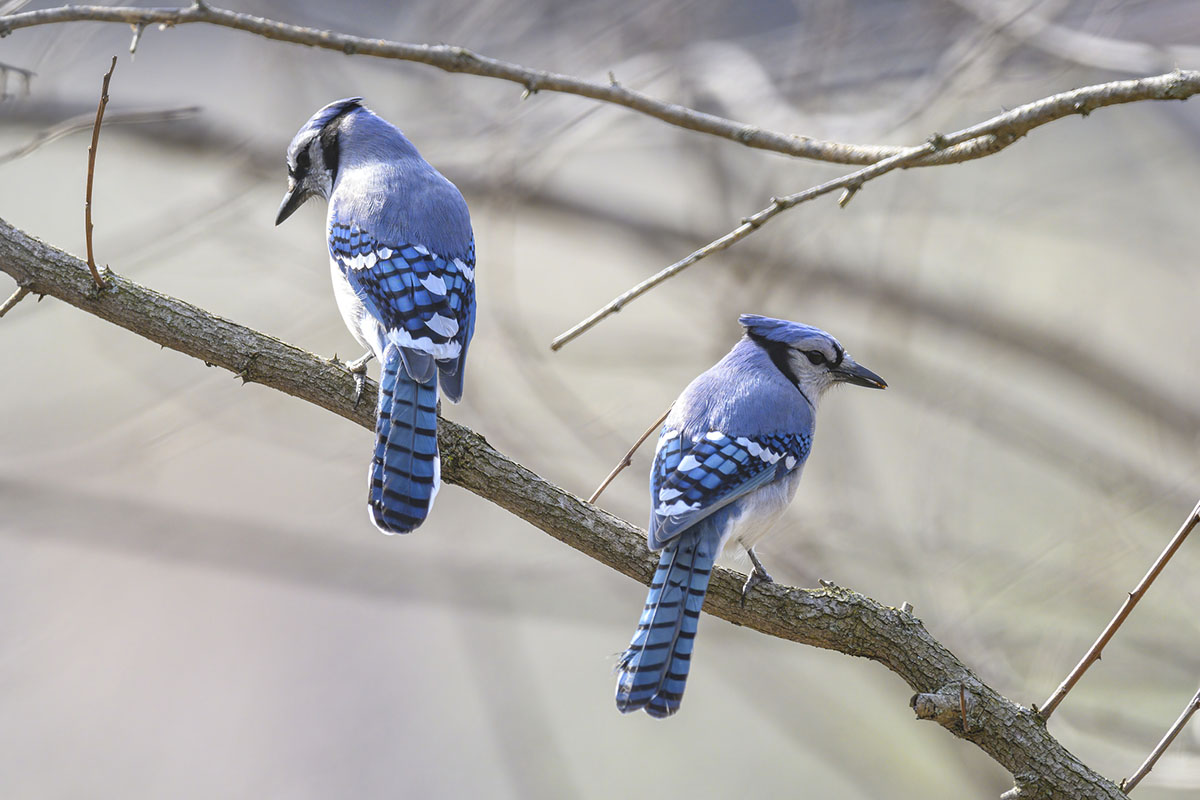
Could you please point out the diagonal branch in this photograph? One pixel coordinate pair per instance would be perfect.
(831, 617)
(993, 134)
(1131, 600)
(1177, 85)
(1191, 708)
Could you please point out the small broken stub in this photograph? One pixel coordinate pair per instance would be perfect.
(950, 706)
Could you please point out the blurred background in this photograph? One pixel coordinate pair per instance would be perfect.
(193, 603)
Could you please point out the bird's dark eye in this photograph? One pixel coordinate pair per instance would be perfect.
(302, 162)
(815, 357)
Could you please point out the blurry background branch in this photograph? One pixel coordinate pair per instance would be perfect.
(1174, 86)
(833, 618)
(82, 122)
(991, 136)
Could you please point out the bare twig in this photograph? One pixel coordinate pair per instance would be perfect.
(1093, 653)
(1193, 705)
(83, 122)
(628, 459)
(999, 132)
(87, 202)
(831, 617)
(17, 296)
(1080, 47)
(1178, 85)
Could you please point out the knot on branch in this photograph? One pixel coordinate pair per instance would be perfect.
(745, 133)
(951, 706)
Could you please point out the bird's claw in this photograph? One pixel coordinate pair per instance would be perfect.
(358, 368)
(758, 574)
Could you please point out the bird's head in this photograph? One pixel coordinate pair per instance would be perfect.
(312, 157)
(809, 357)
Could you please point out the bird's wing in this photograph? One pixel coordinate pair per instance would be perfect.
(424, 301)
(691, 480)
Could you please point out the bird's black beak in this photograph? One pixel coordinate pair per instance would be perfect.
(850, 372)
(291, 201)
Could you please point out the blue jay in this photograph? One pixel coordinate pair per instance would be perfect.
(402, 256)
(727, 464)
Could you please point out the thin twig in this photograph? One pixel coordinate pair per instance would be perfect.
(999, 132)
(628, 459)
(1129, 783)
(83, 122)
(1081, 47)
(87, 202)
(17, 296)
(1093, 653)
(1177, 85)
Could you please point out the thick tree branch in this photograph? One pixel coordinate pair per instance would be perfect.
(1178, 85)
(832, 617)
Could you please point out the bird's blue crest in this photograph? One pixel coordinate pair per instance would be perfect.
(330, 112)
(781, 330)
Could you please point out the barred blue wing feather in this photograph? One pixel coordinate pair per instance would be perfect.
(691, 481)
(424, 301)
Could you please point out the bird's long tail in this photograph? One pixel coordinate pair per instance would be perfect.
(405, 472)
(653, 671)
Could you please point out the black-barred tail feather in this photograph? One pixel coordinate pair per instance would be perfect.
(653, 671)
(405, 469)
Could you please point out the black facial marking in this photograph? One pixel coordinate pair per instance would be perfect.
(778, 353)
(302, 164)
(329, 137)
(329, 149)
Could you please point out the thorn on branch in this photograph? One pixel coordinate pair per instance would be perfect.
(848, 194)
(612, 80)
(938, 141)
(948, 706)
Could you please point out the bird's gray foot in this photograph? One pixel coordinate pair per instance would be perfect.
(358, 368)
(758, 574)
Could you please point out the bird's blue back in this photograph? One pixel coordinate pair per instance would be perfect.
(400, 234)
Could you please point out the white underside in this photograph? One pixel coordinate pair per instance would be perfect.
(365, 328)
(758, 512)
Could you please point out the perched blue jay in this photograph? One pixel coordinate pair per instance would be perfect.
(727, 464)
(402, 256)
